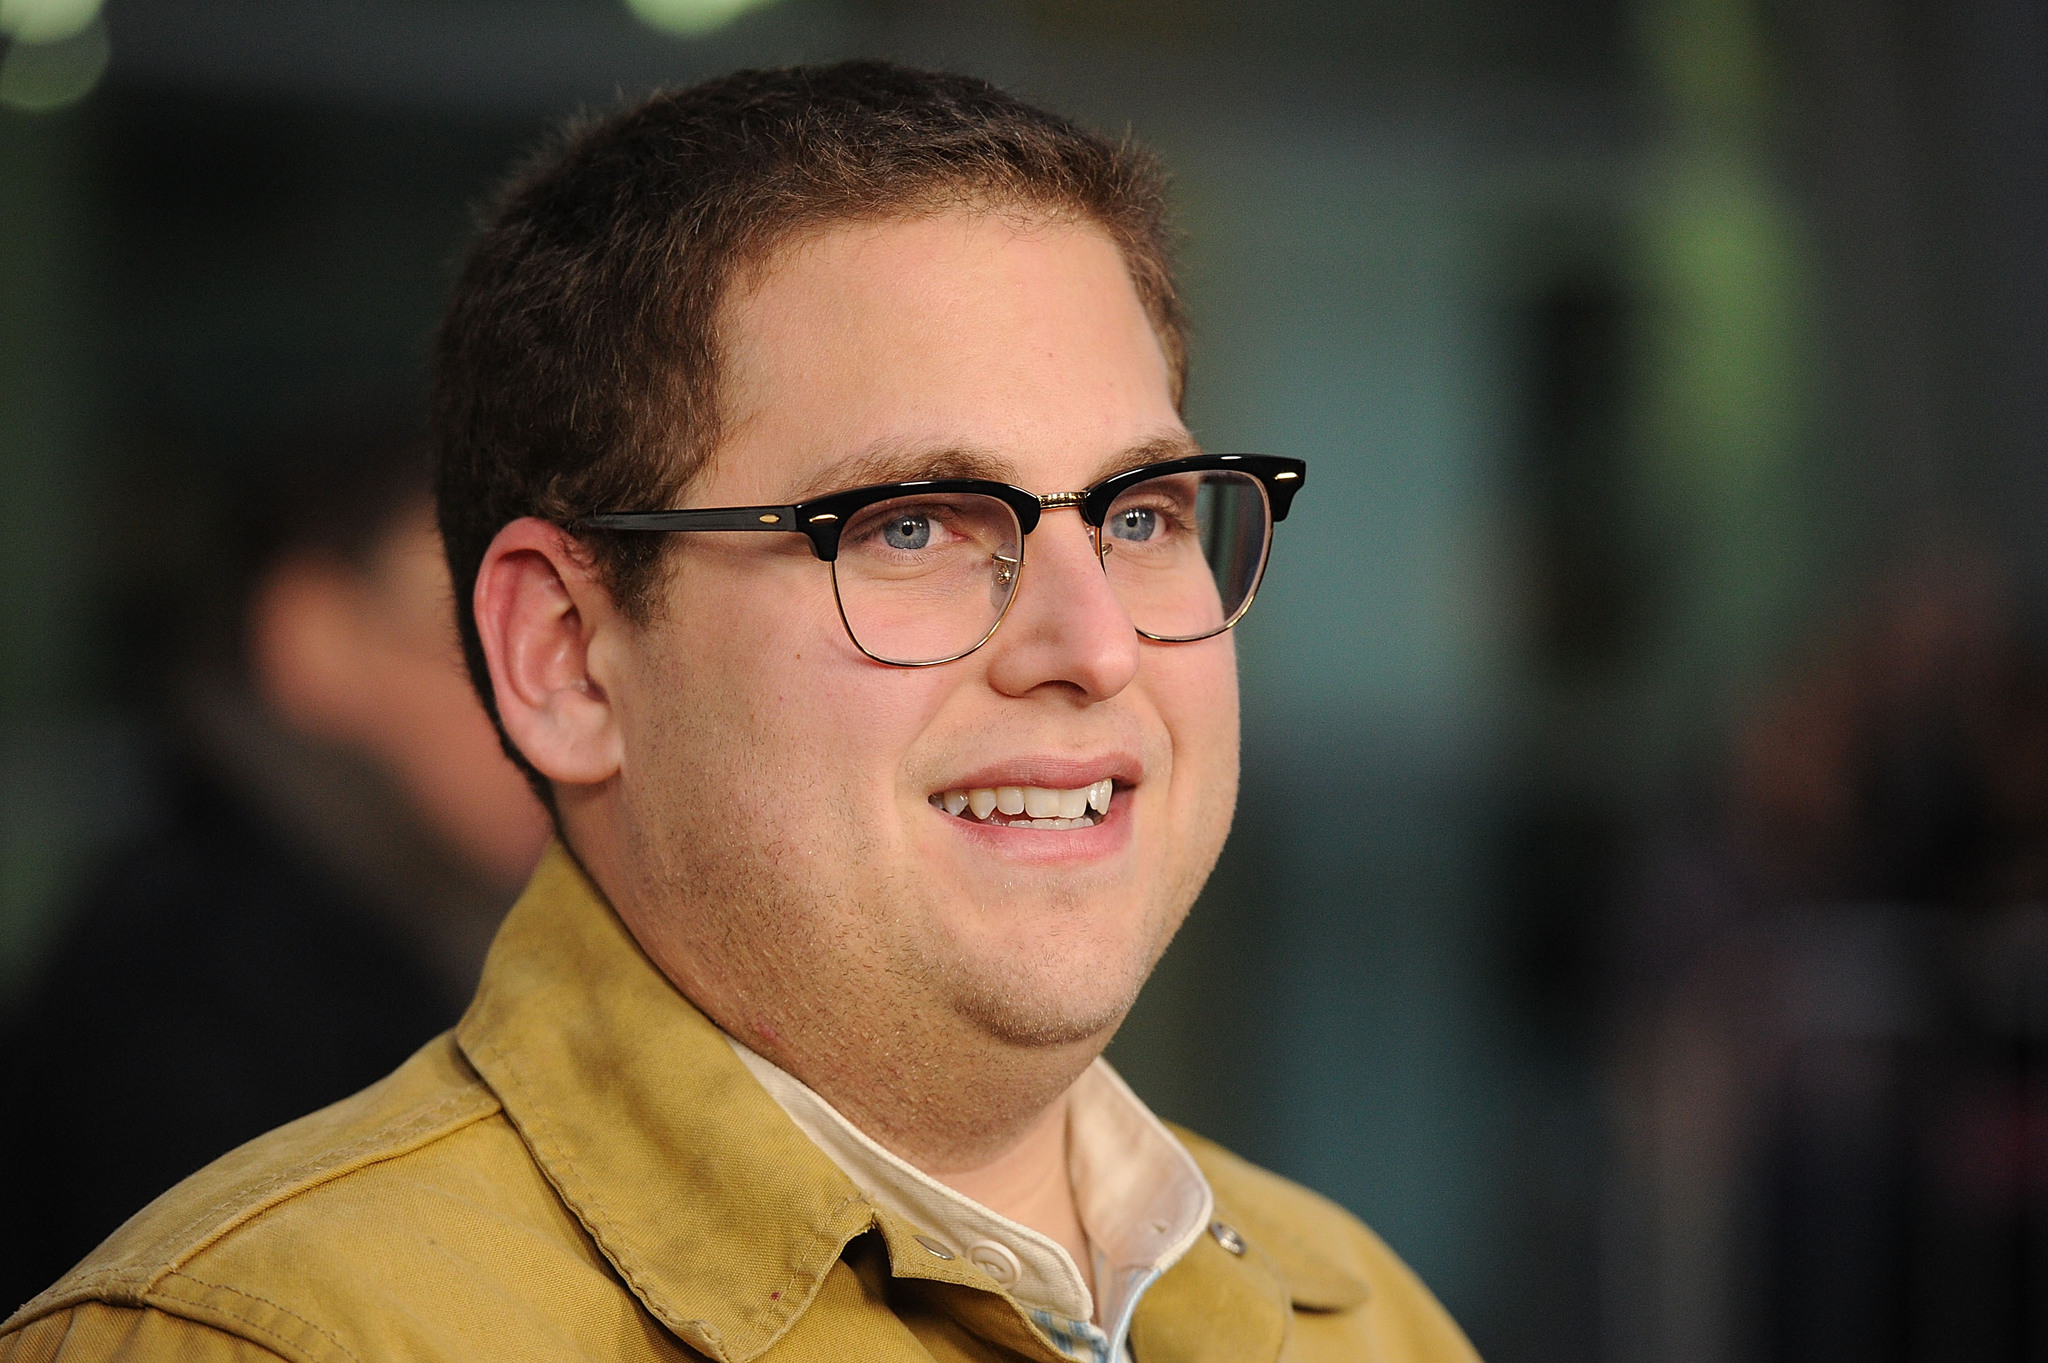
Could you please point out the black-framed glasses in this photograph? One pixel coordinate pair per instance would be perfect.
(925, 571)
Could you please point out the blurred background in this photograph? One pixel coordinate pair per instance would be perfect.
(1636, 908)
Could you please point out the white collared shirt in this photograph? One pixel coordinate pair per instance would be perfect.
(1141, 1198)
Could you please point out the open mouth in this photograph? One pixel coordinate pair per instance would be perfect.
(1030, 806)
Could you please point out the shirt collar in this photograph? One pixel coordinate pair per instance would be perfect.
(1141, 1198)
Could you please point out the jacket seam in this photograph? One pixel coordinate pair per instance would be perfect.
(247, 1323)
(192, 1238)
(72, 1326)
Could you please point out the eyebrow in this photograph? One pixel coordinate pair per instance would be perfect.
(891, 463)
(1157, 450)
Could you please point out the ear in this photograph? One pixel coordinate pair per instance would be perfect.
(539, 609)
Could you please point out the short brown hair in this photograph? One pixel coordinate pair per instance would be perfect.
(577, 368)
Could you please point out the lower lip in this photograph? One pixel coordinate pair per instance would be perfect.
(1049, 846)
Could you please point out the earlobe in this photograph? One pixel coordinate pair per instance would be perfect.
(538, 608)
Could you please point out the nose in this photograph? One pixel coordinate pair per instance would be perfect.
(1065, 628)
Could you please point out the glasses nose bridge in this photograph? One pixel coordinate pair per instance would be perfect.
(1077, 503)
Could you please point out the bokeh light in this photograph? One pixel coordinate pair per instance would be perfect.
(691, 18)
(39, 76)
(46, 21)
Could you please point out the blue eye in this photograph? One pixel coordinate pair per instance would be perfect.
(908, 532)
(1135, 523)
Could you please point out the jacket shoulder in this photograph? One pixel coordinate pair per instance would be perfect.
(432, 1095)
(1332, 1263)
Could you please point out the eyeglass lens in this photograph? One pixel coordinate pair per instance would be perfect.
(925, 579)
(1183, 552)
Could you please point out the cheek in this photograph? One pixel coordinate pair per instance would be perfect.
(1196, 692)
(752, 689)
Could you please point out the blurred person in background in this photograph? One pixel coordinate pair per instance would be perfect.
(340, 835)
(1836, 1067)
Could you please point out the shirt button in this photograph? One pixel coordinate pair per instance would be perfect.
(1227, 1237)
(995, 1260)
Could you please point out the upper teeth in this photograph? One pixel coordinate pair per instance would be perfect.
(1041, 807)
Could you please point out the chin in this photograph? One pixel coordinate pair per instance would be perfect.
(1039, 1024)
(1053, 997)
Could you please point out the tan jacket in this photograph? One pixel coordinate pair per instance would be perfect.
(585, 1170)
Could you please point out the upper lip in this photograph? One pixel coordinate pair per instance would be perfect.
(1051, 773)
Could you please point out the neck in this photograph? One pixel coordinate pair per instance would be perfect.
(988, 1120)
(1029, 1184)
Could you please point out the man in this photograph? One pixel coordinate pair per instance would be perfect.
(338, 840)
(833, 553)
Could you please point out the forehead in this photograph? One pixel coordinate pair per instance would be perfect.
(1019, 346)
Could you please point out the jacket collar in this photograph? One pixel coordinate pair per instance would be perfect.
(719, 1214)
(630, 1100)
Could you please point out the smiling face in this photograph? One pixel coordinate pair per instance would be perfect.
(788, 850)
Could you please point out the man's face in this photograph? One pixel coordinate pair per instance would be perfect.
(778, 787)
